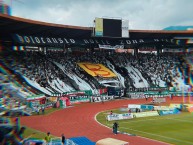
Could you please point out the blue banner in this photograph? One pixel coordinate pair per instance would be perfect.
(147, 107)
(168, 112)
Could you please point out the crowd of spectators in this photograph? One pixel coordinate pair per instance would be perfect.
(165, 67)
(11, 94)
(162, 67)
(36, 67)
(41, 67)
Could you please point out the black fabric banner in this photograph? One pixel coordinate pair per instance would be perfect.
(59, 41)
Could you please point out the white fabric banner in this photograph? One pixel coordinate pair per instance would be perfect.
(134, 106)
(163, 108)
(111, 47)
(145, 114)
(119, 116)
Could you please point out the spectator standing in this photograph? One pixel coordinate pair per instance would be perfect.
(43, 109)
(37, 110)
(63, 139)
(146, 98)
(136, 110)
(102, 100)
(48, 138)
(115, 128)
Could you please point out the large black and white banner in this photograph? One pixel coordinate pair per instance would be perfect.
(59, 41)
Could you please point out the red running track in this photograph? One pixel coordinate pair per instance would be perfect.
(80, 121)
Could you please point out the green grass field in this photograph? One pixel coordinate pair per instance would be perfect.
(174, 129)
(34, 133)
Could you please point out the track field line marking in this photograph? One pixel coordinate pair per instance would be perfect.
(169, 118)
(136, 136)
(180, 120)
(183, 141)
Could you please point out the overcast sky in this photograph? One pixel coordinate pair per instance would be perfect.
(142, 14)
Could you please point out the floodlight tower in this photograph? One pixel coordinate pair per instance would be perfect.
(6, 8)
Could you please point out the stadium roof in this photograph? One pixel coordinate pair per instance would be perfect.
(10, 25)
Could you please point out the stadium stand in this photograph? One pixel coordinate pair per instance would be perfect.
(40, 73)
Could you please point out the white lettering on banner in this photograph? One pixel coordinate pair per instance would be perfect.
(26, 39)
(86, 41)
(48, 40)
(79, 99)
(60, 39)
(127, 116)
(96, 99)
(54, 40)
(31, 39)
(136, 95)
(43, 40)
(111, 47)
(165, 112)
(156, 40)
(37, 39)
(91, 41)
(134, 106)
(128, 41)
(119, 116)
(72, 41)
(134, 41)
(102, 98)
(159, 100)
(141, 40)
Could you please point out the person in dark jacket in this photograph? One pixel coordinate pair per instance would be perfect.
(115, 128)
(63, 139)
